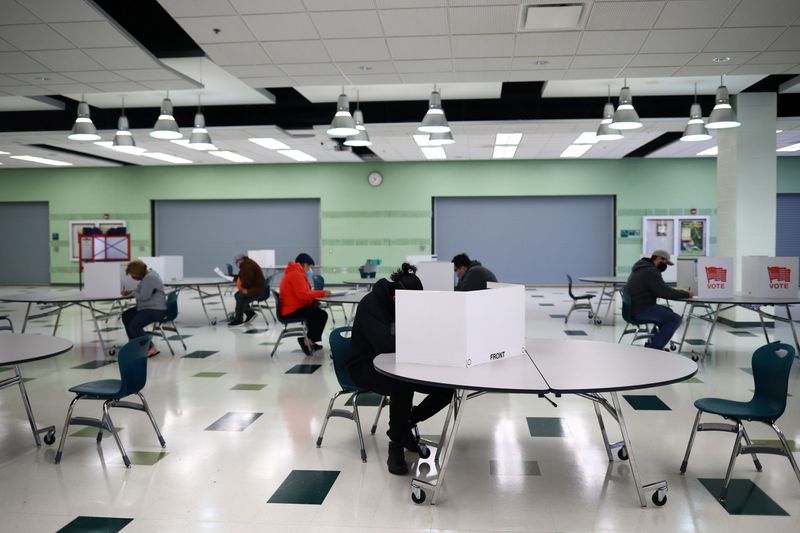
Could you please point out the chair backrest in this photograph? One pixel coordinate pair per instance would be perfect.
(319, 282)
(229, 269)
(626, 308)
(771, 366)
(340, 352)
(265, 295)
(133, 365)
(569, 286)
(172, 307)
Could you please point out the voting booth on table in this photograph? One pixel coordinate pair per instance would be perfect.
(168, 267)
(706, 277)
(104, 278)
(264, 258)
(416, 259)
(436, 275)
(460, 329)
(770, 276)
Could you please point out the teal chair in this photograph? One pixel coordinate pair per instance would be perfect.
(771, 366)
(261, 304)
(292, 327)
(132, 379)
(340, 351)
(319, 285)
(640, 330)
(168, 322)
(10, 327)
(579, 303)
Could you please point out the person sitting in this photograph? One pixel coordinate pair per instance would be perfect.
(472, 275)
(298, 300)
(373, 334)
(250, 282)
(644, 286)
(151, 302)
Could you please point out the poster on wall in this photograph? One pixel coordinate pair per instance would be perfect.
(693, 237)
(76, 229)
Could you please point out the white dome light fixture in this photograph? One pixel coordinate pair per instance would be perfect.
(625, 117)
(200, 139)
(434, 120)
(722, 116)
(604, 133)
(342, 124)
(123, 139)
(83, 129)
(696, 127)
(362, 137)
(166, 127)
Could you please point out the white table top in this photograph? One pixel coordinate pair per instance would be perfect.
(347, 298)
(68, 296)
(16, 348)
(741, 299)
(605, 279)
(212, 280)
(365, 281)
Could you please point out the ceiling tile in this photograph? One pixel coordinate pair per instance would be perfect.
(604, 61)
(403, 4)
(297, 52)
(246, 7)
(167, 85)
(708, 70)
(483, 45)
(342, 5)
(482, 64)
(310, 69)
(674, 41)
(681, 14)
(6, 47)
(424, 65)
(764, 13)
(42, 78)
(357, 49)
(122, 58)
(406, 22)
(119, 86)
(319, 80)
(766, 69)
(14, 13)
(428, 77)
(484, 19)
(611, 42)
(545, 62)
(419, 47)
(18, 63)
(591, 73)
(367, 68)
(536, 75)
(70, 88)
(147, 74)
(742, 39)
(26, 90)
(254, 71)
(8, 80)
(236, 54)
(275, 81)
(707, 58)
(232, 29)
(648, 72)
(488, 75)
(65, 60)
(92, 76)
(775, 57)
(623, 15)
(547, 44)
(98, 34)
(660, 60)
(67, 10)
(281, 26)
(789, 40)
(347, 24)
(374, 79)
(34, 37)
(198, 8)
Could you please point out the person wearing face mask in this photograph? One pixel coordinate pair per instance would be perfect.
(299, 301)
(645, 285)
(472, 275)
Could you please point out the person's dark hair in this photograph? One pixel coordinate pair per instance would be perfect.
(653, 258)
(406, 278)
(461, 260)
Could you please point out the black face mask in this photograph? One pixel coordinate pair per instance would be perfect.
(662, 267)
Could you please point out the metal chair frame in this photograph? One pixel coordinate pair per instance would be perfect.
(288, 330)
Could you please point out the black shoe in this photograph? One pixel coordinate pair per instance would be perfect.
(249, 317)
(397, 459)
(235, 323)
(301, 341)
(316, 346)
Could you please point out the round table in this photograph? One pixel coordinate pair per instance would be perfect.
(339, 299)
(196, 283)
(610, 286)
(364, 282)
(18, 348)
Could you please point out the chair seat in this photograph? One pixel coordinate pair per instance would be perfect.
(752, 410)
(287, 321)
(583, 297)
(104, 389)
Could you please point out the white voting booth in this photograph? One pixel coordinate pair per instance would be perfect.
(104, 278)
(770, 276)
(168, 267)
(416, 259)
(264, 258)
(707, 276)
(436, 275)
(460, 329)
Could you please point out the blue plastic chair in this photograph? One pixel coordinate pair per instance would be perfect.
(132, 378)
(292, 327)
(10, 326)
(168, 322)
(340, 351)
(771, 366)
(579, 303)
(639, 329)
(261, 304)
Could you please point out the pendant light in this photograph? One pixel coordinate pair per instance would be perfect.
(696, 127)
(722, 116)
(604, 133)
(362, 137)
(625, 117)
(123, 139)
(166, 127)
(83, 129)
(200, 139)
(441, 139)
(342, 124)
(434, 120)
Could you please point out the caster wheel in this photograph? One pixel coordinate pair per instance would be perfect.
(214, 322)
(598, 321)
(50, 437)
(623, 454)
(659, 498)
(417, 496)
(695, 358)
(112, 351)
(424, 451)
(591, 315)
(673, 347)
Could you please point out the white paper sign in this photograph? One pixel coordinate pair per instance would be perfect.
(103, 278)
(715, 277)
(686, 268)
(264, 258)
(770, 276)
(436, 276)
(168, 267)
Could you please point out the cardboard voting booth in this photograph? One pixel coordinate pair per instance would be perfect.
(707, 277)
(416, 259)
(460, 329)
(103, 278)
(770, 276)
(264, 258)
(436, 276)
(168, 267)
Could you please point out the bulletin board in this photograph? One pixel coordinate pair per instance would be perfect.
(76, 229)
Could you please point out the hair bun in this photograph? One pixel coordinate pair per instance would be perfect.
(408, 268)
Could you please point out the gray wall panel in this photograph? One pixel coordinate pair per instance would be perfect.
(24, 241)
(208, 233)
(788, 231)
(529, 239)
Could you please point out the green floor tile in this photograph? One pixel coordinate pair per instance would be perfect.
(537, 295)
(695, 342)
(744, 498)
(200, 354)
(694, 380)
(178, 337)
(646, 402)
(547, 305)
(95, 524)
(368, 399)
(234, 422)
(6, 369)
(248, 386)
(92, 432)
(558, 316)
(747, 370)
(545, 427)
(267, 343)
(309, 487)
(146, 458)
(95, 364)
(208, 375)
(303, 369)
(776, 443)
(575, 332)
(742, 334)
(514, 468)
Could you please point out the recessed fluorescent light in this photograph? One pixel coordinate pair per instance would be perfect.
(231, 156)
(575, 150)
(587, 137)
(133, 150)
(790, 148)
(433, 152)
(42, 160)
(504, 152)
(297, 155)
(166, 158)
(709, 151)
(508, 138)
(186, 143)
(4, 153)
(422, 139)
(270, 143)
(776, 131)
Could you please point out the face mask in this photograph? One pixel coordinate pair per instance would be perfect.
(662, 267)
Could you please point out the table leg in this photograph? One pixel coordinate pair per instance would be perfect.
(221, 299)
(600, 300)
(58, 319)
(603, 431)
(50, 430)
(93, 311)
(711, 331)
(763, 325)
(794, 331)
(27, 312)
(686, 326)
(203, 302)
(610, 302)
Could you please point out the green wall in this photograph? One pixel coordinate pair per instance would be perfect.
(359, 221)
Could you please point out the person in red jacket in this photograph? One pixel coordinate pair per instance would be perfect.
(299, 301)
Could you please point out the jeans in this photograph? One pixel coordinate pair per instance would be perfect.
(315, 319)
(667, 320)
(242, 305)
(135, 320)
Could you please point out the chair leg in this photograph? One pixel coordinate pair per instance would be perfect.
(152, 419)
(571, 309)
(357, 420)
(113, 430)
(786, 449)
(384, 402)
(327, 417)
(723, 494)
(66, 428)
(691, 441)
(178, 333)
(164, 336)
(756, 462)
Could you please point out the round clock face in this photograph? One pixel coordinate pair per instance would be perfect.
(375, 178)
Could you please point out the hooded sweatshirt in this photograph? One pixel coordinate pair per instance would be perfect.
(250, 279)
(645, 285)
(475, 278)
(295, 290)
(373, 327)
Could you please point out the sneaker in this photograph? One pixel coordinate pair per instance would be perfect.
(235, 322)
(316, 346)
(397, 459)
(301, 341)
(249, 317)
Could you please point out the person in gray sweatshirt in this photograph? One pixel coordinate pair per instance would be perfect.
(472, 275)
(645, 285)
(151, 302)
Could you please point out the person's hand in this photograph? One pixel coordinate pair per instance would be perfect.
(327, 292)
(691, 294)
(123, 292)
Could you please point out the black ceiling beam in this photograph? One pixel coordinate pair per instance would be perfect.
(769, 84)
(656, 144)
(59, 149)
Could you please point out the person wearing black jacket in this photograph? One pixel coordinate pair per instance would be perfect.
(373, 334)
(472, 275)
(645, 285)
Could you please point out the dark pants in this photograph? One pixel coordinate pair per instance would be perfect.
(135, 320)
(242, 305)
(667, 320)
(315, 319)
(401, 394)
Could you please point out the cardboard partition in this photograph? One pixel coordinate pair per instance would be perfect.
(715, 277)
(436, 275)
(168, 267)
(686, 268)
(264, 258)
(460, 329)
(103, 278)
(770, 276)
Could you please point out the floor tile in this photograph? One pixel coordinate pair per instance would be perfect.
(249, 386)
(309, 487)
(208, 375)
(367, 399)
(106, 330)
(545, 427)
(696, 342)
(303, 369)
(234, 422)
(742, 334)
(558, 316)
(537, 295)
(146, 458)
(744, 498)
(575, 332)
(95, 524)
(253, 331)
(546, 305)
(514, 468)
(95, 364)
(646, 402)
(694, 379)
(776, 443)
(178, 337)
(747, 370)
(200, 354)
(92, 432)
